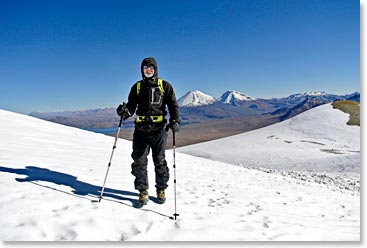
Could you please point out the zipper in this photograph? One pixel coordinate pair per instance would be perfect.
(152, 99)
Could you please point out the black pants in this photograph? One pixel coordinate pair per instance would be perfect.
(142, 143)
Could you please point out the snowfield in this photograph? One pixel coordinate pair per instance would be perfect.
(51, 177)
(317, 140)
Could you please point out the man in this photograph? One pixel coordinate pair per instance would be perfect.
(148, 98)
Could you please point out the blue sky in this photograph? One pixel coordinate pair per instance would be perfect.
(68, 55)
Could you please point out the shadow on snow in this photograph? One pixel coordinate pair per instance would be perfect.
(79, 188)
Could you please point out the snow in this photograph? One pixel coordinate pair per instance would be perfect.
(315, 93)
(316, 140)
(310, 93)
(50, 177)
(233, 96)
(195, 98)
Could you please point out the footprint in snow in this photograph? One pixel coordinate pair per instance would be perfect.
(266, 222)
(254, 208)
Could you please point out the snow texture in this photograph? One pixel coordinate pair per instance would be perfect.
(51, 177)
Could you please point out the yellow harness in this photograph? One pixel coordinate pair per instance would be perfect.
(160, 86)
(143, 118)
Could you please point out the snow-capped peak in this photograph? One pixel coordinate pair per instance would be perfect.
(315, 93)
(310, 93)
(233, 96)
(195, 98)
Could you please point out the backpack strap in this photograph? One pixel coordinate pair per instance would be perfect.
(160, 86)
(138, 86)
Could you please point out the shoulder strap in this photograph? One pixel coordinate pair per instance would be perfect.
(138, 85)
(160, 86)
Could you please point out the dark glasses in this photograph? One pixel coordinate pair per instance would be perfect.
(148, 66)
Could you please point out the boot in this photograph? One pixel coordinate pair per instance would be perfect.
(161, 196)
(143, 197)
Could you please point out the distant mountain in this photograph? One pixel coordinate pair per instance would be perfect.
(195, 98)
(303, 106)
(292, 100)
(295, 104)
(233, 97)
(355, 97)
(69, 113)
(311, 93)
(86, 119)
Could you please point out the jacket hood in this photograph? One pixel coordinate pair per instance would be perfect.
(148, 62)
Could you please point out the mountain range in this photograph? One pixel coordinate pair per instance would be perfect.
(196, 98)
(205, 117)
(234, 104)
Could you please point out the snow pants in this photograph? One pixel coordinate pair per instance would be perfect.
(142, 143)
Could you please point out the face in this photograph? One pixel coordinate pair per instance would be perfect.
(148, 69)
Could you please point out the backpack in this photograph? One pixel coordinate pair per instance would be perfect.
(160, 86)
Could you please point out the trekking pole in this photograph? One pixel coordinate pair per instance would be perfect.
(109, 164)
(174, 168)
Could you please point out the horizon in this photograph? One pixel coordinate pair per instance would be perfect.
(178, 97)
(216, 98)
(75, 55)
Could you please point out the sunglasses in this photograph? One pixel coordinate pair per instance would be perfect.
(148, 67)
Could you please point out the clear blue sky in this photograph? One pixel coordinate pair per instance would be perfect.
(68, 55)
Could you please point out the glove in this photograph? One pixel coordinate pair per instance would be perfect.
(174, 125)
(123, 111)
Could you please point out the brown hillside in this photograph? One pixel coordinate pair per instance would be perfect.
(350, 107)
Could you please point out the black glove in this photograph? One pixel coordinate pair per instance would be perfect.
(123, 111)
(174, 125)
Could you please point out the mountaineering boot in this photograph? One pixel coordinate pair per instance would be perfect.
(143, 197)
(161, 196)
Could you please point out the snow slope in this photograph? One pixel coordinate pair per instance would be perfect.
(50, 178)
(316, 140)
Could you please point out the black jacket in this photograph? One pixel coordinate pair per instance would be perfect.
(150, 102)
